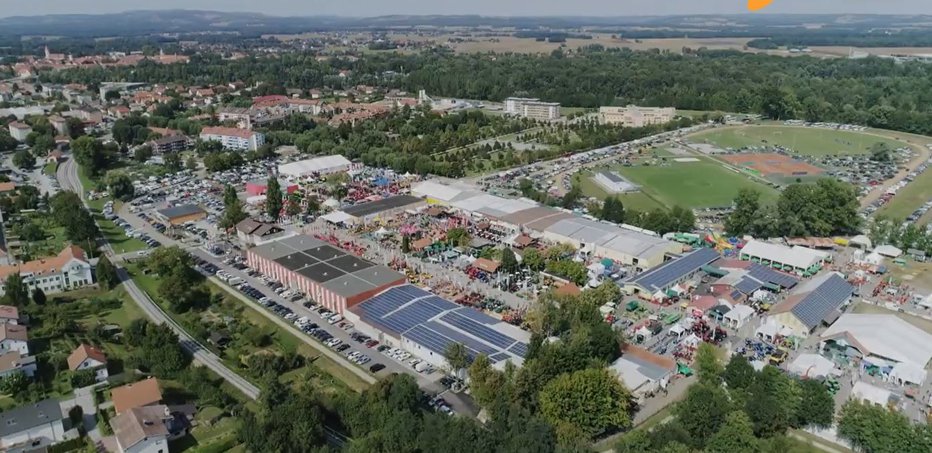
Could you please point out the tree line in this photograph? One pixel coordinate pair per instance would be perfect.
(826, 208)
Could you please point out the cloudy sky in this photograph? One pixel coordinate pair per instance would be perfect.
(362, 8)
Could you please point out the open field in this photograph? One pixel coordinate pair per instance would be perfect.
(910, 198)
(699, 184)
(804, 140)
(917, 275)
(466, 43)
(637, 200)
(845, 51)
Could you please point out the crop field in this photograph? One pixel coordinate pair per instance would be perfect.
(699, 184)
(804, 140)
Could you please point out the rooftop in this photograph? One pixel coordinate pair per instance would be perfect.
(664, 275)
(885, 336)
(228, 131)
(315, 165)
(385, 204)
(13, 332)
(137, 394)
(798, 257)
(139, 423)
(817, 300)
(45, 266)
(9, 312)
(29, 416)
(84, 352)
(181, 211)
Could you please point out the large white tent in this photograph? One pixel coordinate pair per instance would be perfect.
(811, 366)
(884, 337)
(319, 165)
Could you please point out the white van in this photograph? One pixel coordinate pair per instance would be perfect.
(235, 281)
(335, 319)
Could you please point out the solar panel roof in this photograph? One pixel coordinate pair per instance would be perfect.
(664, 275)
(434, 323)
(385, 204)
(768, 275)
(819, 304)
(748, 285)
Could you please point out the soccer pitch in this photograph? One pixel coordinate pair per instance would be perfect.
(700, 184)
(804, 140)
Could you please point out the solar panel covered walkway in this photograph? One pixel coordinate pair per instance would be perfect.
(434, 323)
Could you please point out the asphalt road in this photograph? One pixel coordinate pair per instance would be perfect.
(68, 178)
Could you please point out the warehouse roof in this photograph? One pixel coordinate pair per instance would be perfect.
(385, 204)
(885, 336)
(666, 274)
(610, 236)
(183, 210)
(344, 274)
(818, 299)
(321, 164)
(441, 191)
(435, 323)
(798, 257)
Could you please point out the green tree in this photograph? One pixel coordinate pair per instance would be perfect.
(588, 401)
(15, 290)
(702, 412)
(233, 212)
(613, 210)
(738, 374)
(746, 206)
(107, 275)
(191, 163)
(735, 436)
(172, 161)
(92, 155)
(83, 378)
(15, 384)
(406, 244)
(38, 296)
(533, 259)
(457, 357)
(509, 261)
(817, 406)
(120, 185)
(273, 199)
(24, 159)
(142, 153)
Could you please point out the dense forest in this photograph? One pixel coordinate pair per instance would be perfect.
(871, 91)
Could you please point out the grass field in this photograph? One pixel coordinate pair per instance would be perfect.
(804, 140)
(637, 200)
(910, 198)
(690, 184)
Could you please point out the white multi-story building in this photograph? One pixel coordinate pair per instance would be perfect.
(69, 270)
(532, 108)
(233, 138)
(634, 116)
(19, 131)
(32, 426)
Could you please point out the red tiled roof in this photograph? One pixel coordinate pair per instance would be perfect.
(142, 393)
(9, 312)
(84, 352)
(228, 131)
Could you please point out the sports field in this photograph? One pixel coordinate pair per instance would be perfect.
(699, 184)
(804, 140)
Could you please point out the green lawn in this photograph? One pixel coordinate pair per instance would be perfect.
(804, 140)
(688, 184)
(50, 168)
(117, 237)
(638, 201)
(910, 198)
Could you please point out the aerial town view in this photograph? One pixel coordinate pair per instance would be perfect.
(412, 226)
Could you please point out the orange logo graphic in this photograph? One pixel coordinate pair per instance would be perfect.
(755, 5)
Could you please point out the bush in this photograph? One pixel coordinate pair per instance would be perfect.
(83, 378)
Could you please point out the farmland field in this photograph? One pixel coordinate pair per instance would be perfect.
(699, 184)
(804, 140)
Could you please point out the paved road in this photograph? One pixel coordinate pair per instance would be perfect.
(68, 178)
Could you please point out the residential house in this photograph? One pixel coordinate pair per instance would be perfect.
(19, 131)
(9, 314)
(118, 111)
(67, 271)
(254, 232)
(60, 124)
(14, 337)
(13, 362)
(138, 394)
(87, 357)
(34, 425)
(147, 429)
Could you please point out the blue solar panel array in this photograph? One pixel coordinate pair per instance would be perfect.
(488, 335)
(434, 323)
(748, 285)
(735, 295)
(766, 274)
(820, 302)
(666, 274)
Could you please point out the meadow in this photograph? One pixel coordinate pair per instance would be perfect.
(803, 140)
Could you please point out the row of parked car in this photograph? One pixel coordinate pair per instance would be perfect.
(127, 228)
(159, 226)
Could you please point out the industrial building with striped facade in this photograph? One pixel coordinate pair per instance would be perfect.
(330, 276)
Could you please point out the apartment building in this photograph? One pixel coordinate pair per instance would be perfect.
(233, 138)
(67, 271)
(169, 144)
(532, 108)
(19, 131)
(634, 116)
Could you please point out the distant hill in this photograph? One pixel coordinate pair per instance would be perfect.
(135, 23)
